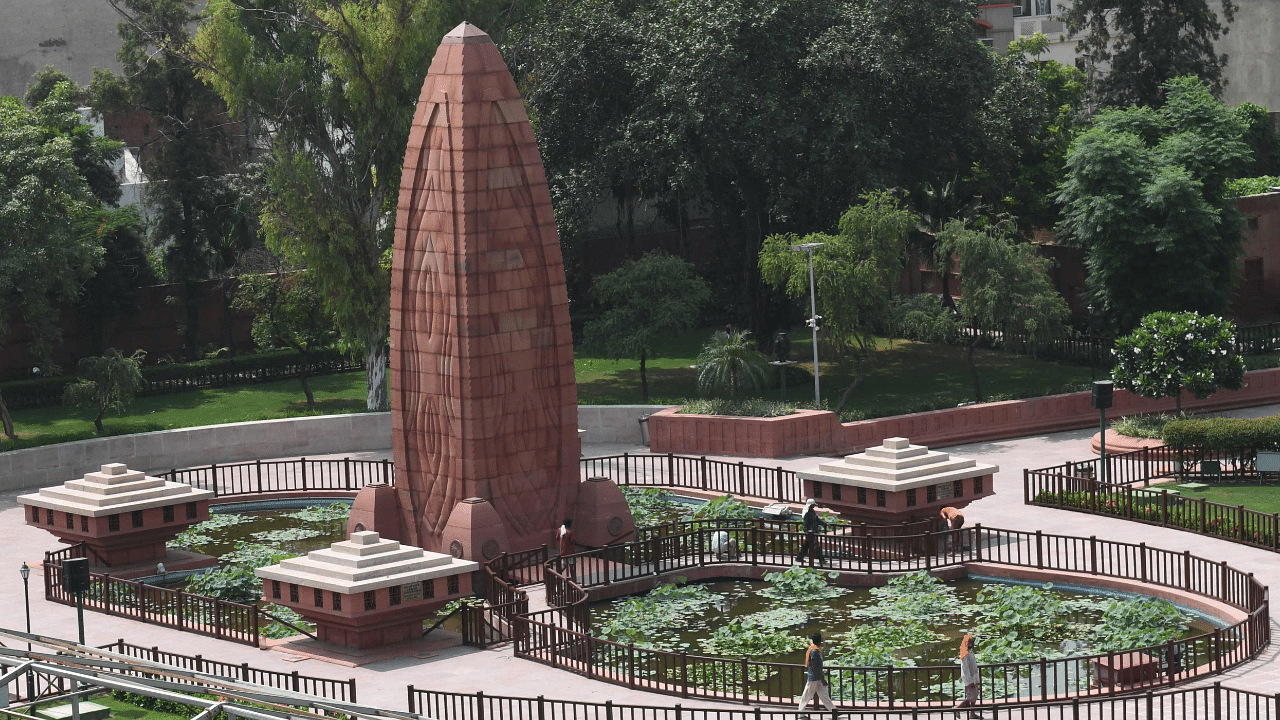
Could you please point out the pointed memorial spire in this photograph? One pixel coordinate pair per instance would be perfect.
(483, 397)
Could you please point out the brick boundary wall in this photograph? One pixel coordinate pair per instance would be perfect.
(818, 433)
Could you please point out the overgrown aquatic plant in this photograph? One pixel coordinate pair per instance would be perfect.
(800, 584)
(228, 582)
(1129, 624)
(322, 514)
(651, 506)
(725, 507)
(275, 630)
(255, 555)
(914, 597)
(650, 620)
(776, 618)
(199, 534)
(738, 640)
(877, 645)
(287, 535)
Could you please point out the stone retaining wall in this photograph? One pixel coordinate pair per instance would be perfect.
(236, 442)
(818, 433)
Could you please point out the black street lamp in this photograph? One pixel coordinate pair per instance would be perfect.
(25, 572)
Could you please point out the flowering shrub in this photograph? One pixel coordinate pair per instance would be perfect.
(1170, 352)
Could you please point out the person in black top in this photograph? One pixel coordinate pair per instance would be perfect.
(812, 526)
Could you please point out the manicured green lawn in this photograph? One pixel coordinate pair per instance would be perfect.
(905, 377)
(1263, 498)
(341, 393)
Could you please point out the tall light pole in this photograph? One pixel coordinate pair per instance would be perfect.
(25, 572)
(813, 319)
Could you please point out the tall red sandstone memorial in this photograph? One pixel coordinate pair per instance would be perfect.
(483, 395)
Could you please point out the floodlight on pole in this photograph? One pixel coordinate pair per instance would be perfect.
(814, 317)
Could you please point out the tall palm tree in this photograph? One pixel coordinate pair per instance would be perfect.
(729, 362)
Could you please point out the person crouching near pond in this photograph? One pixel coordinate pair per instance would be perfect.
(815, 676)
(969, 674)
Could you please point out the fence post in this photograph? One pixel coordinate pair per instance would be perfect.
(1275, 530)
(1186, 569)
(702, 471)
(1222, 584)
(745, 691)
(1142, 557)
(1026, 486)
(352, 683)
(1202, 510)
(781, 497)
(626, 468)
(386, 472)
(1093, 554)
(199, 663)
(1215, 662)
(1164, 507)
(888, 690)
(295, 680)
(1146, 466)
(1240, 523)
(412, 709)
(303, 462)
(213, 476)
(1128, 504)
(244, 672)
(608, 710)
(928, 550)
(1039, 550)
(977, 542)
(684, 678)
(742, 479)
(1044, 678)
(631, 665)
(346, 471)
(479, 705)
(542, 709)
(258, 468)
(1217, 700)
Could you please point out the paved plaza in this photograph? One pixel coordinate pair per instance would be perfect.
(497, 672)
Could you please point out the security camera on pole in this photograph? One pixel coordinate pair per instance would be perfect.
(814, 317)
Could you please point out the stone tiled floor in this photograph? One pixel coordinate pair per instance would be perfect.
(498, 672)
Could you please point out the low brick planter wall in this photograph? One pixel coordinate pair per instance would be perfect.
(810, 432)
(807, 432)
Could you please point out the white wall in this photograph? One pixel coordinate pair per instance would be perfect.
(237, 442)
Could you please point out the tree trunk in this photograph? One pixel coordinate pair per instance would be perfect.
(1177, 402)
(858, 375)
(8, 421)
(945, 276)
(375, 369)
(97, 421)
(973, 369)
(644, 380)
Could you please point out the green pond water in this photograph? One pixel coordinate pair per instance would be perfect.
(289, 531)
(738, 602)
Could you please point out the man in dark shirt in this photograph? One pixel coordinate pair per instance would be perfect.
(815, 676)
(812, 526)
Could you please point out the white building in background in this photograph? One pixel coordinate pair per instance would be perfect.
(1251, 43)
(133, 182)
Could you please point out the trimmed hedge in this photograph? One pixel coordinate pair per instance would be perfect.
(161, 379)
(1223, 433)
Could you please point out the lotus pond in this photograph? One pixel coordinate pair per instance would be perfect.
(916, 620)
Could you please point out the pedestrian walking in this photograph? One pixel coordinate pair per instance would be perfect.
(969, 675)
(954, 520)
(568, 547)
(815, 676)
(812, 525)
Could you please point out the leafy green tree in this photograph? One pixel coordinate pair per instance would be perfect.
(44, 203)
(1144, 44)
(1170, 352)
(107, 382)
(288, 312)
(772, 114)
(854, 273)
(1145, 196)
(113, 290)
(353, 70)
(1261, 137)
(1005, 289)
(643, 300)
(730, 363)
(191, 148)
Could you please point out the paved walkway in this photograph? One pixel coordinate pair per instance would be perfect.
(497, 672)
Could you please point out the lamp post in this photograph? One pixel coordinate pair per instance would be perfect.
(1093, 357)
(25, 572)
(813, 319)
